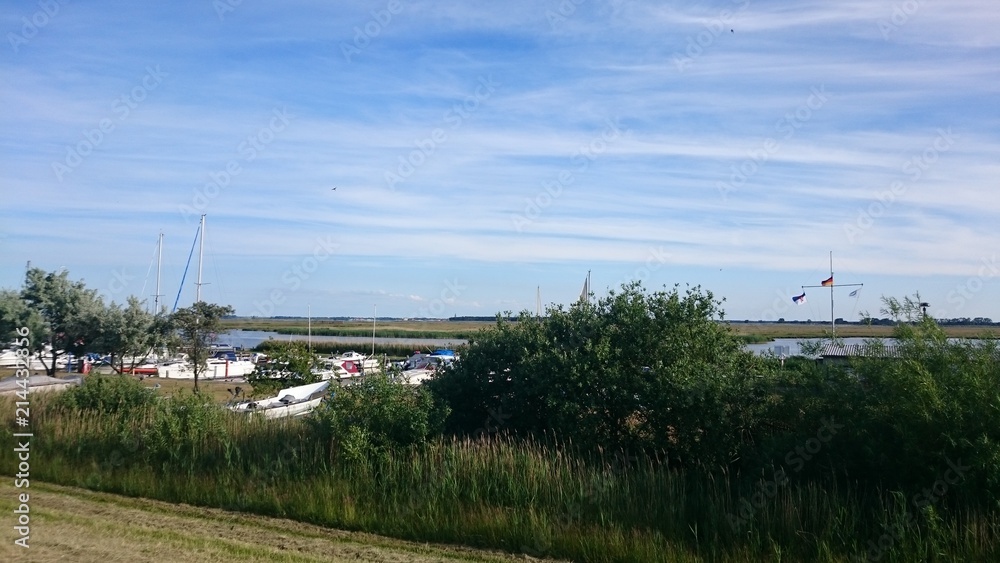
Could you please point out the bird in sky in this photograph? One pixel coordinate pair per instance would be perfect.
(333, 189)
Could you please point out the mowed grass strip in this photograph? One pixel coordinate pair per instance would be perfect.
(70, 524)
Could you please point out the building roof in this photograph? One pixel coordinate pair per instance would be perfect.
(859, 351)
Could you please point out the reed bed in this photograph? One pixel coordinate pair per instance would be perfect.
(538, 498)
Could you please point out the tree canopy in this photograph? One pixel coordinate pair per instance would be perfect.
(198, 327)
(636, 371)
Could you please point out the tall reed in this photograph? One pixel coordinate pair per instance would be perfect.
(542, 499)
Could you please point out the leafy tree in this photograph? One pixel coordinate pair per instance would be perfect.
(289, 363)
(129, 334)
(198, 326)
(636, 371)
(15, 313)
(68, 311)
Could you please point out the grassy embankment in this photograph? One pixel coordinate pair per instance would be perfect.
(516, 496)
(71, 524)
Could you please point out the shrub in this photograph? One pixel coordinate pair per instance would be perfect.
(185, 433)
(638, 371)
(107, 395)
(378, 414)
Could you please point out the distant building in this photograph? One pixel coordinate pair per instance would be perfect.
(843, 353)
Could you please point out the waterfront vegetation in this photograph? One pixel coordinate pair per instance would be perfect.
(634, 429)
(751, 332)
(394, 328)
(390, 351)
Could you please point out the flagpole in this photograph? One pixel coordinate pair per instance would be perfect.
(833, 321)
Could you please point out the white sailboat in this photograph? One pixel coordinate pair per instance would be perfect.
(225, 364)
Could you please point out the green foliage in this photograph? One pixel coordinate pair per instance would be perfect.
(638, 371)
(129, 334)
(938, 402)
(14, 314)
(107, 395)
(378, 414)
(910, 414)
(288, 364)
(198, 326)
(68, 311)
(336, 348)
(183, 434)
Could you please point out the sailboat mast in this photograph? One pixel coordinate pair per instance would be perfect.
(309, 322)
(201, 257)
(159, 263)
(374, 318)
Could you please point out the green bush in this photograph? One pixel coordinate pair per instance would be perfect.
(111, 394)
(906, 421)
(637, 372)
(184, 434)
(376, 415)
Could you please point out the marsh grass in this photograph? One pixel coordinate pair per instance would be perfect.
(541, 499)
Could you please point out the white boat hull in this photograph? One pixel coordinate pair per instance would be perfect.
(216, 369)
(290, 402)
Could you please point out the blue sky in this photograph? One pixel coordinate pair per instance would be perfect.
(481, 150)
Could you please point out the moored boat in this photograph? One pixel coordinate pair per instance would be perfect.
(290, 402)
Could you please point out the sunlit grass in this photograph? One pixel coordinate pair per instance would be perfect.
(519, 496)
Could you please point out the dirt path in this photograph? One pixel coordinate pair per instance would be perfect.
(69, 524)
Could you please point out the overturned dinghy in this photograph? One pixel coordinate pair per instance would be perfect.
(293, 401)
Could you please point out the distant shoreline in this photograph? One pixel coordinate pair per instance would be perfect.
(444, 329)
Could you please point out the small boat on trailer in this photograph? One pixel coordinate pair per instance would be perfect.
(293, 401)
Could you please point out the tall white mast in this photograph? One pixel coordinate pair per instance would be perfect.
(201, 257)
(309, 317)
(374, 317)
(159, 262)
